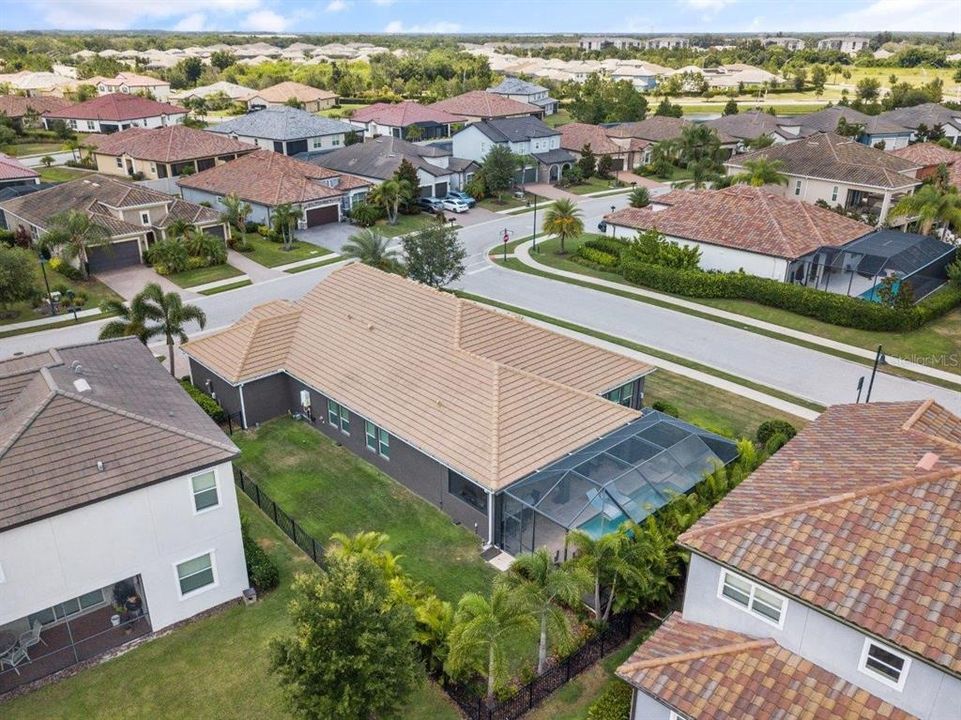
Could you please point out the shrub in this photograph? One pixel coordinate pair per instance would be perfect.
(612, 704)
(611, 246)
(652, 247)
(195, 263)
(170, 254)
(598, 257)
(251, 227)
(775, 443)
(365, 214)
(54, 263)
(263, 230)
(66, 269)
(206, 403)
(208, 248)
(7, 237)
(261, 570)
(767, 429)
(666, 408)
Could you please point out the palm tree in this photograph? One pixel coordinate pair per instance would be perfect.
(564, 220)
(179, 228)
(170, 314)
(605, 559)
(759, 172)
(544, 587)
(698, 143)
(931, 207)
(372, 248)
(435, 619)
(390, 194)
(368, 544)
(703, 172)
(285, 218)
(483, 632)
(124, 325)
(236, 212)
(75, 234)
(639, 198)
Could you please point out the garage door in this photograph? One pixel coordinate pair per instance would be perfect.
(215, 230)
(322, 215)
(440, 190)
(114, 256)
(617, 164)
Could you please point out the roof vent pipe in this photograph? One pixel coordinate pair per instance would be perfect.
(100, 465)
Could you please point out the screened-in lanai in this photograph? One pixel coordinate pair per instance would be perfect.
(627, 474)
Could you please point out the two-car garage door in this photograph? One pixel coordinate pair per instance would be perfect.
(322, 215)
(114, 256)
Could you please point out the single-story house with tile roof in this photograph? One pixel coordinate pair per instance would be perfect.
(266, 179)
(526, 136)
(749, 125)
(111, 113)
(407, 120)
(478, 105)
(839, 171)
(927, 116)
(526, 92)
(286, 130)
(163, 152)
(14, 172)
(823, 584)
(18, 108)
(377, 160)
(118, 515)
(134, 216)
(130, 83)
(308, 98)
(640, 135)
(875, 129)
(453, 421)
(929, 156)
(574, 136)
(33, 83)
(233, 91)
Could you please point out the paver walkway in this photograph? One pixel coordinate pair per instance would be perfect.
(254, 270)
(552, 192)
(626, 176)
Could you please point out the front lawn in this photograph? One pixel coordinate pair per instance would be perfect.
(95, 291)
(202, 276)
(32, 148)
(59, 174)
(592, 185)
(507, 201)
(407, 224)
(271, 254)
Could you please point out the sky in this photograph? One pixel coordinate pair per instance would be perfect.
(485, 16)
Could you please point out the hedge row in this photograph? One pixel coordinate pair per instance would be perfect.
(206, 403)
(827, 307)
(606, 260)
(608, 245)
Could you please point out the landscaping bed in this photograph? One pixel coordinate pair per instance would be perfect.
(94, 290)
(407, 224)
(272, 254)
(203, 275)
(593, 185)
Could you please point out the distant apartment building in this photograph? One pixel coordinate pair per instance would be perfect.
(671, 42)
(601, 42)
(788, 43)
(849, 44)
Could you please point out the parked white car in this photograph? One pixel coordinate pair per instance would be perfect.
(457, 206)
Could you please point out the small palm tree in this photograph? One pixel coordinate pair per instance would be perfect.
(703, 172)
(605, 559)
(285, 219)
(368, 544)
(235, 212)
(639, 198)
(179, 228)
(390, 194)
(372, 248)
(932, 207)
(483, 632)
(169, 312)
(75, 233)
(564, 220)
(761, 171)
(124, 324)
(544, 588)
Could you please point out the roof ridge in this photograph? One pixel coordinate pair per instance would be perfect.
(917, 414)
(695, 531)
(733, 648)
(28, 420)
(772, 218)
(496, 427)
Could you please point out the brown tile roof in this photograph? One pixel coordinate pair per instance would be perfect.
(478, 103)
(116, 107)
(575, 135)
(435, 370)
(403, 114)
(282, 92)
(13, 169)
(927, 153)
(745, 218)
(271, 178)
(706, 673)
(174, 143)
(868, 496)
(134, 418)
(831, 157)
(16, 106)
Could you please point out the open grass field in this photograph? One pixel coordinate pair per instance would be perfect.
(342, 111)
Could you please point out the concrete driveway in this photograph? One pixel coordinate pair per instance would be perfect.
(551, 192)
(127, 282)
(331, 236)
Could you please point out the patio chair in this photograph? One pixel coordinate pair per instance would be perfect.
(14, 657)
(32, 636)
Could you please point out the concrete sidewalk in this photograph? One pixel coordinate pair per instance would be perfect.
(253, 270)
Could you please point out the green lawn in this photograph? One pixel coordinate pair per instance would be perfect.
(406, 224)
(310, 266)
(271, 254)
(202, 276)
(59, 174)
(561, 117)
(676, 175)
(213, 668)
(95, 291)
(329, 489)
(591, 185)
(32, 148)
(507, 201)
(343, 110)
(225, 288)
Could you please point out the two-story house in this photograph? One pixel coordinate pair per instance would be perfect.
(826, 584)
(114, 112)
(118, 516)
(516, 89)
(529, 137)
(286, 130)
(132, 84)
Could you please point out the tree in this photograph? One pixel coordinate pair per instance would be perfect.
(868, 89)
(390, 194)
(666, 108)
(932, 207)
(192, 68)
(800, 77)
(125, 324)
(434, 255)
(699, 143)
(285, 217)
(587, 162)
(406, 172)
(599, 99)
(352, 655)
(639, 197)
(169, 313)
(605, 560)
(605, 166)
(484, 632)
(18, 275)
(74, 233)
(848, 129)
(413, 133)
(372, 248)
(235, 212)
(730, 107)
(498, 169)
(761, 171)
(46, 161)
(563, 219)
(222, 59)
(545, 589)
(819, 78)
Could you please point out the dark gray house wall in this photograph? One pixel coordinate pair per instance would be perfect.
(227, 395)
(267, 398)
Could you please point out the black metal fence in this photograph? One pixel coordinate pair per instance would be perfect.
(473, 703)
(231, 422)
(281, 519)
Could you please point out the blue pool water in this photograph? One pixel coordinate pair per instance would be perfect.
(872, 294)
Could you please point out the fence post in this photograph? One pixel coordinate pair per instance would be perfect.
(530, 693)
(257, 491)
(274, 504)
(567, 667)
(313, 545)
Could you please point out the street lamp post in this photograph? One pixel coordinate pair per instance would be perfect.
(46, 283)
(879, 359)
(613, 227)
(534, 237)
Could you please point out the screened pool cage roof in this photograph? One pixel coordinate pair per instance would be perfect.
(628, 473)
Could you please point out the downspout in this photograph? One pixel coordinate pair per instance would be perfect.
(243, 410)
(490, 519)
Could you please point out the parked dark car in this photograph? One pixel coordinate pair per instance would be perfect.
(430, 204)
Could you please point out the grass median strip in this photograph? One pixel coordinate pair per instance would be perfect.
(311, 266)
(225, 288)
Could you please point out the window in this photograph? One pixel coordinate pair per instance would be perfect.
(884, 664)
(90, 125)
(463, 489)
(70, 607)
(622, 395)
(317, 143)
(335, 141)
(119, 162)
(371, 431)
(378, 439)
(204, 488)
(752, 597)
(834, 194)
(145, 218)
(797, 187)
(338, 416)
(192, 575)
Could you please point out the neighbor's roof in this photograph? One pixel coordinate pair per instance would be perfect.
(745, 218)
(13, 169)
(705, 672)
(281, 123)
(829, 156)
(515, 129)
(929, 114)
(116, 107)
(746, 125)
(927, 153)
(131, 80)
(282, 92)
(403, 114)
(381, 156)
(857, 516)
(826, 120)
(231, 90)
(478, 103)
(516, 86)
(173, 143)
(462, 383)
(575, 136)
(270, 178)
(654, 129)
(134, 418)
(16, 106)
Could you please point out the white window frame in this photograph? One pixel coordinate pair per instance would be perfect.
(880, 677)
(3, 578)
(144, 217)
(383, 438)
(370, 432)
(834, 194)
(749, 608)
(193, 492)
(205, 588)
(797, 188)
(343, 414)
(119, 161)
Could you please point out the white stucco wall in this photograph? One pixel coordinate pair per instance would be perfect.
(146, 532)
(93, 124)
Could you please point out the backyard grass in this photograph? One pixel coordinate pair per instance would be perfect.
(216, 667)
(271, 254)
(202, 276)
(32, 148)
(95, 291)
(561, 117)
(59, 174)
(343, 110)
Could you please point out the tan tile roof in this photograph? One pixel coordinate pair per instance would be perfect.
(134, 418)
(868, 496)
(174, 143)
(653, 129)
(282, 92)
(707, 673)
(478, 103)
(271, 178)
(745, 218)
(927, 153)
(432, 369)
(575, 135)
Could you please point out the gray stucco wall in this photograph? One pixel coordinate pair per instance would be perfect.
(928, 692)
(647, 708)
(226, 394)
(258, 213)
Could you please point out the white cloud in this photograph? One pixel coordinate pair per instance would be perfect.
(440, 27)
(384, 3)
(336, 6)
(195, 22)
(265, 21)
(900, 15)
(709, 5)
